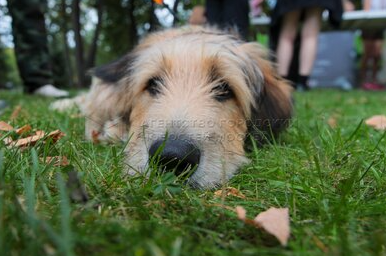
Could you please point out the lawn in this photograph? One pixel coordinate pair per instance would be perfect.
(333, 180)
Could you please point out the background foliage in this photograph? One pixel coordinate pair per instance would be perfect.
(83, 34)
(106, 29)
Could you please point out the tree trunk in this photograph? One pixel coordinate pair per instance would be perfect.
(79, 53)
(153, 20)
(133, 34)
(175, 6)
(94, 44)
(64, 30)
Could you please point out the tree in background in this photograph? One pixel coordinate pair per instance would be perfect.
(8, 70)
(83, 34)
(4, 66)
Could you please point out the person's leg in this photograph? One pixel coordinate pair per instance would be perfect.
(309, 40)
(367, 49)
(30, 38)
(236, 13)
(287, 37)
(377, 54)
(370, 60)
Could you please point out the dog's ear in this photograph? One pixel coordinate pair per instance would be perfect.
(109, 102)
(114, 71)
(273, 107)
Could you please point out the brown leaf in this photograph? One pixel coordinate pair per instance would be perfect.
(31, 140)
(24, 129)
(39, 132)
(56, 135)
(332, 122)
(15, 112)
(378, 122)
(5, 127)
(7, 140)
(276, 222)
(28, 141)
(56, 160)
(242, 215)
(229, 191)
(241, 212)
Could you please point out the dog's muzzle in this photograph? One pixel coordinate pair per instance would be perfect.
(175, 155)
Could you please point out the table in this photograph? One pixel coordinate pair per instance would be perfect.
(351, 21)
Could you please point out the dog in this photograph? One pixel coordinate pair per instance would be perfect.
(192, 98)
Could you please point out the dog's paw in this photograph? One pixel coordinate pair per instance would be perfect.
(64, 105)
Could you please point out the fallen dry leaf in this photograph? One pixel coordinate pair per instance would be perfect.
(241, 213)
(28, 141)
(39, 132)
(229, 191)
(56, 160)
(56, 135)
(15, 112)
(5, 127)
(24, 129)
(332, 122)
(7, 140)
(378, 122)
(274, 221)
(32, 139)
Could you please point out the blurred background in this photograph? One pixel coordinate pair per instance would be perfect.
(87, 33)
(92, 32)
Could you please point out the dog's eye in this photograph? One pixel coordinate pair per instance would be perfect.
(154, 86)
(223, 92)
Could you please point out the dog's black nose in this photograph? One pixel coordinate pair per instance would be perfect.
(175, 154)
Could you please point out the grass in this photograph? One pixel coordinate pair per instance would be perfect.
(332, 180)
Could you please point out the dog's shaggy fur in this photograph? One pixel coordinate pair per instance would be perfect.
(192, 83)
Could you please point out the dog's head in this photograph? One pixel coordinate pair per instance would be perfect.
(193, 95)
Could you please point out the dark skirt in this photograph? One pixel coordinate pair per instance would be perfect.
(283, 7)
(372, 34)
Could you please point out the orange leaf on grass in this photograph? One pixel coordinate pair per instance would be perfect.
(40, 132)
(229, 191)
(24, 129)
(28, 141)
(15, 112)
(7, 140)
(56, 135)
(274, 221)
(241, 213)
(31, 140)
(56, 160)
(378, 122)
(332, 122)
(5, 127)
